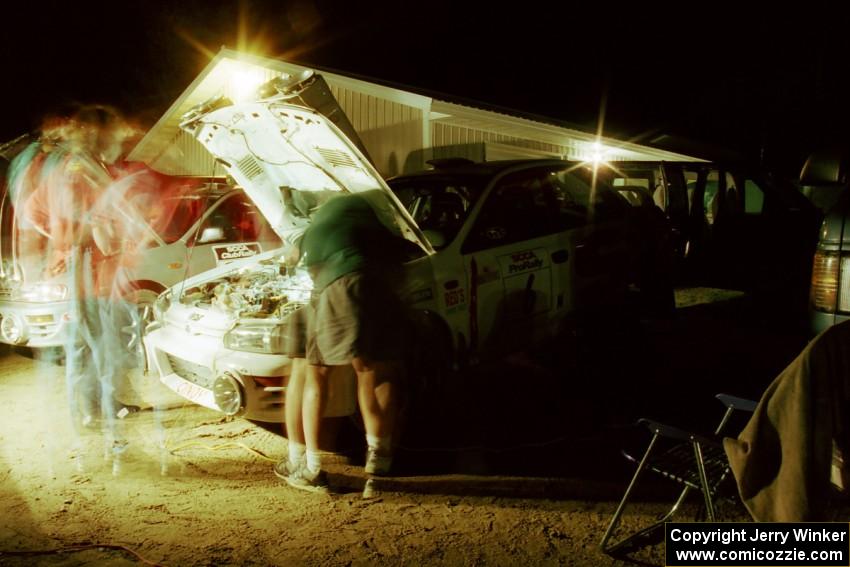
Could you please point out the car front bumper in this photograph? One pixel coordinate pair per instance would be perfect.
(36, 325)
(190, 365)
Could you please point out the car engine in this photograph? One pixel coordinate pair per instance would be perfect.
(270, 290)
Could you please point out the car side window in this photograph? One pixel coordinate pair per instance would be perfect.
(581, 200)
(753, 198)
(539, 202)
(169, 217)
(634, 185)
(234, 219)
(519, 208)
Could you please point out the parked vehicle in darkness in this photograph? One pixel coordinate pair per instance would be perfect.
(501, 254)
(829, 298)
(734, 226)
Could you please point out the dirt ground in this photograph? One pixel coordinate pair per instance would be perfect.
(194, 489)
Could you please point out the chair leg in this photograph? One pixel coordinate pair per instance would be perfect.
(615, 520)
(726, 415)
(644, 537)
(703, 481)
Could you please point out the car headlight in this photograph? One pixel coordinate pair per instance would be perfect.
(228, 394)
(257, 337)
(161, 305)
(13, 329)
(43, 292)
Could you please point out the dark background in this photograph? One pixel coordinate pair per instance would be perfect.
(767, 81)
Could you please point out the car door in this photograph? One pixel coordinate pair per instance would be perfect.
(758, 231)
(715, 226)
(508, 258)
(676, 205)
(545, 243)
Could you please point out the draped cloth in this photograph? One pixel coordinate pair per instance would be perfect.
(782, 459)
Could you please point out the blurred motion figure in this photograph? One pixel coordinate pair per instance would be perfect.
(71, 188)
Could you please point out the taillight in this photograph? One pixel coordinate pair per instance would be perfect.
(824, 289)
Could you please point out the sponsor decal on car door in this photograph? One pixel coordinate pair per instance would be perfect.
(526, 282)
(510, 293)
(225, 253)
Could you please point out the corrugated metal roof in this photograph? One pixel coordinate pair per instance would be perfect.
(162, 140)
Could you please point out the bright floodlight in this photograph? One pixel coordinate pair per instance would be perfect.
(244, 83)
(598, 153)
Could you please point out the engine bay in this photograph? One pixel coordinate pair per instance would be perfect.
(267, 290)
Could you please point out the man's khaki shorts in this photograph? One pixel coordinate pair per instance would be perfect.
(357, 315)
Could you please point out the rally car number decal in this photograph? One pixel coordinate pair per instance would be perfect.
(454, 299)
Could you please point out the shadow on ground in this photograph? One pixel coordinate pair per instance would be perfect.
(559, 418)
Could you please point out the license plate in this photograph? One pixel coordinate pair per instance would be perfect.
(191, 392)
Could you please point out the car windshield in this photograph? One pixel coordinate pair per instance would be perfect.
(439, 203)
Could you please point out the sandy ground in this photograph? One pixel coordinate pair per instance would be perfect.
(195, 489)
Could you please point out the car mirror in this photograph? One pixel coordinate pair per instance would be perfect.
(211, 234)
(435, 237)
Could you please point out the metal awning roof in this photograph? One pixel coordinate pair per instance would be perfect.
(217, 78)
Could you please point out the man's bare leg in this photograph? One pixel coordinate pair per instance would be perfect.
(313, 406)
(378, 398)
(293, 411)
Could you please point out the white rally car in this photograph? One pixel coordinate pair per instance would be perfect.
(501, 254)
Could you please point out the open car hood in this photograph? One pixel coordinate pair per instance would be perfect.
(279, 149)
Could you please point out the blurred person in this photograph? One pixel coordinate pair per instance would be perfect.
(355, 318)
(77, 200)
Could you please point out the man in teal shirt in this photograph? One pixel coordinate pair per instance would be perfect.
(355, 318)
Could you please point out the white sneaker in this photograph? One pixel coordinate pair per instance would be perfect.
(377, 464)
(304, 479)
(285, 467)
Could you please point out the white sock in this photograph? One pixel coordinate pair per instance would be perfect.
(296, 452)
(381, 445)
(314, 461)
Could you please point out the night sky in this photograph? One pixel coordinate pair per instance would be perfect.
(769, 83)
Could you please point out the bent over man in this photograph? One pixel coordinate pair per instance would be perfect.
(355, 318)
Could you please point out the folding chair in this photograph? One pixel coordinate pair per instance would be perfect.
(694, 461)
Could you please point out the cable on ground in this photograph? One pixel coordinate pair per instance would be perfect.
(78, 548)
